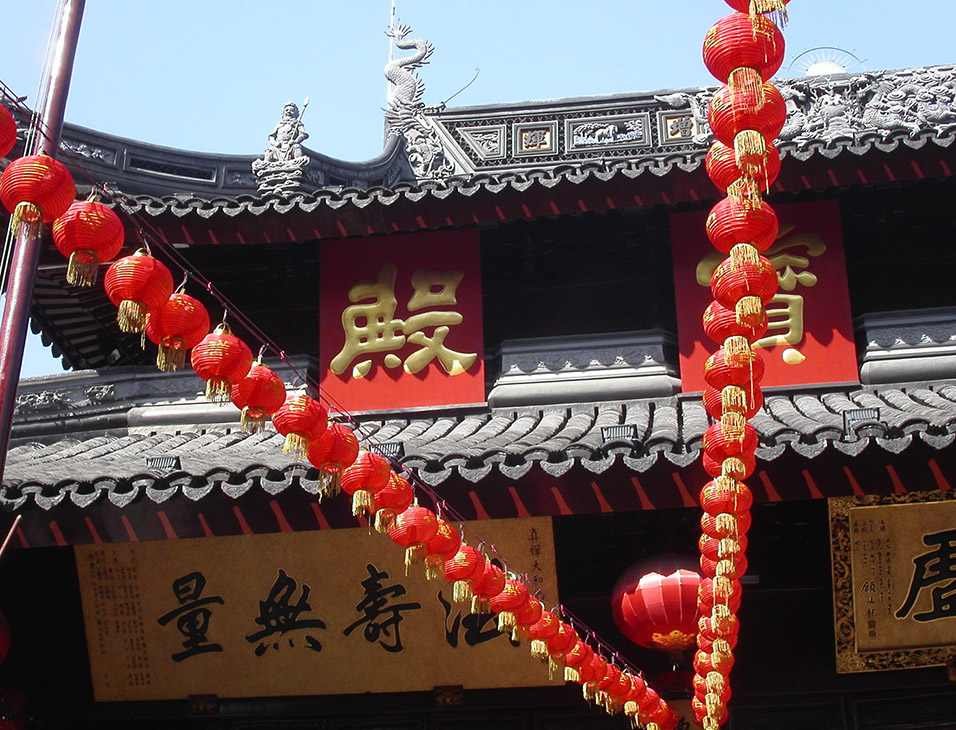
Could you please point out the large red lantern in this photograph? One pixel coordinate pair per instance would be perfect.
(525, 617)
(724, 168)
(258, 396)
(731, 113)
(301, 420)
(558, 647)
(737, 220)
(363, 478)
(176, 327)
(745, 273)
(654, 603)
(720, 322)
(334, 451)
(541, 631)
(222, 359)
(462, 569)
(736, 363)
(732, 399)
(507, 603)
(8, 131)
(88, 233)
(391, 500)
(725, 495)
(137, 284)
(36, 188)
(731, 436)
(439, 548)
(743, 51)
(575, 660)
(412, 530)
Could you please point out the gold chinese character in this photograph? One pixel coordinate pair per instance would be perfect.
(785, 312)
(372, 327)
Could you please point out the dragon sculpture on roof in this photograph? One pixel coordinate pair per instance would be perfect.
(405, 115)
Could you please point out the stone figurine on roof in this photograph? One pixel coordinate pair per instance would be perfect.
(281, 166)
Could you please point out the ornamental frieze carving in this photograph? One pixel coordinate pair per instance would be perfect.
(622, 132)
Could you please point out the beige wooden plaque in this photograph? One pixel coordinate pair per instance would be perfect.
(894, 573)
(326, 612)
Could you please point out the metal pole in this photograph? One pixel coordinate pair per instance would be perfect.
(26, 254)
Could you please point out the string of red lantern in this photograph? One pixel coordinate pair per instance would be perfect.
(741, 50)
(141, 287)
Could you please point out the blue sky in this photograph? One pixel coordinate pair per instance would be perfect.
(212, 75)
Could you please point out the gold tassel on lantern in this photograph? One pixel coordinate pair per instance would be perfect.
(506, 621)
(363, 501)
(572, 674)
(749, 311)
(555, 664)
(171, 355)
(776, 8)
(253, 420)
(746, 83)
(26, 213)
(461, 591)
(750, 152)
(81, 271)
(733, 399)
(131, 317)
(744, 254)
(733, 467)
(745, 190)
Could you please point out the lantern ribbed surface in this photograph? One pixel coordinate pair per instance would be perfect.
(561, 642)
(490, 583)
(88, 234)
(512, 596)
(137, 284)
(8, 131)
(732, 398)
(776, 8)
(715, 549)
(42, 184)
(365, 476)
(222, 359)
(725, 524)
(334, 451)
(722, 167)
(734, 565)
(741, 41)
(258, 396)
(528, 614)
(177, 326)
(390, 500)
(715, 590)
(439, 548)
(734, 221)
(720, 322)
(731, 111)
(466, 566)
(732, 281)
(721, 441)
(744, 369)
(301, 420)
(737, 467)
(412, 529)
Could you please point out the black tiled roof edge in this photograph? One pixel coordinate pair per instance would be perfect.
(573, 174)
(513, 442)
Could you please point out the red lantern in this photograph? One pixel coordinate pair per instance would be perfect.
(724, 169)
(558, 647)
(654, 604)
(738, 42)
(221, 359)
(334, 451)
(731, 436)
(714, 549)
(137, 284)
(258, 396)
(719, 661)
(525, 617)
(576, 660)
(412, 529)
(465, 567)
(732, 399)
(301, 420)
(733, 566)
(734, 364)
(490, 583)
(367, 474)
(591, 675)
(611, 694)
(725, 524)
(391, 500)
(736, 467)
(744, 274)
(440, 548)
(635, 696)
(8, 131)
(720, 590)
(720, 322)
(730, 113)
(724, 494)
(176, 326)
(506, 604)
(649, 702)
(88, 233)
(737, 220)
(719, 627)
(36, 188)
(540, 632)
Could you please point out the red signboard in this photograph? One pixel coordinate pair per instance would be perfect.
(810, 337)
(400, 321)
